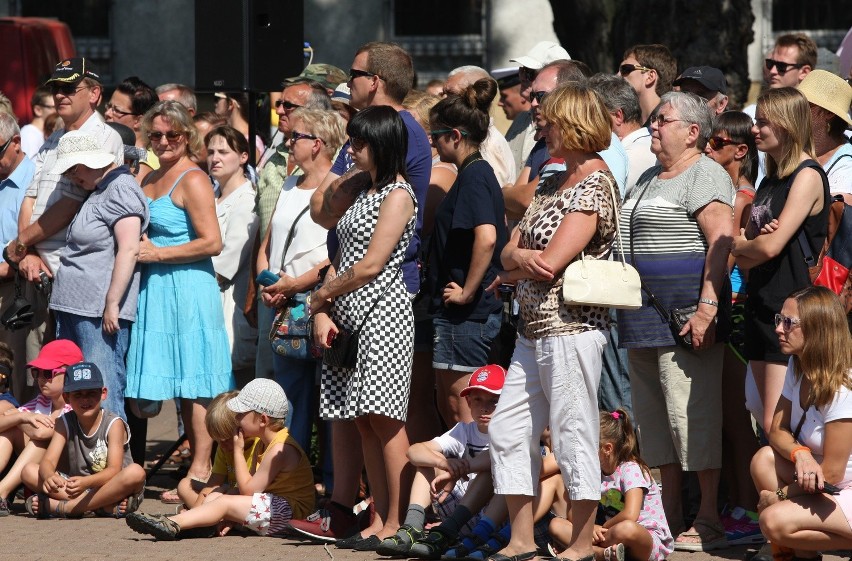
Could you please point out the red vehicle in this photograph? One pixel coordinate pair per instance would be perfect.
(31, 47)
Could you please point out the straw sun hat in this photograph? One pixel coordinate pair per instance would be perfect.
(829, 91)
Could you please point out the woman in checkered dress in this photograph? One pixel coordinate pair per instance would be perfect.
(374, 234)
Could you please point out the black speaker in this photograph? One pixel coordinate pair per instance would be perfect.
(247, 45)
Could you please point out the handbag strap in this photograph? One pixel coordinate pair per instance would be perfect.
(617, 223)
(290, 234)
(651, 298)
(377, 300)
(799, 426)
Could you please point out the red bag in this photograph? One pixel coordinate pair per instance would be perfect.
(831, 268)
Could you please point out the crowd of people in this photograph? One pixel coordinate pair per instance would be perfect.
(367, 329)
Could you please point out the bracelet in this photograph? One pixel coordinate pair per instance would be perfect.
(782, 495)
(795, 451)
(709, 302)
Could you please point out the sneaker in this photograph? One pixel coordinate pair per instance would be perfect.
(157, 525)
(741, 528)
(4, 508)
(400, 543)
(326, 525)
(431, 546)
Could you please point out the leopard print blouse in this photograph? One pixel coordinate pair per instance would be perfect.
(543, 314)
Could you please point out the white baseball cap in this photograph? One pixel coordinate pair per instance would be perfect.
(261, 395)
(542, 54)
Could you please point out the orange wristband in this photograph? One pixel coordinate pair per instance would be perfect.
(795, 451)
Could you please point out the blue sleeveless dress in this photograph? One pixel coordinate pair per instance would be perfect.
(178, 345)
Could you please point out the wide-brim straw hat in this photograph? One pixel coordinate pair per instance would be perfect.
(77, 147)
(829, 91)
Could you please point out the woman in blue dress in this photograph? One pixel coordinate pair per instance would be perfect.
(179, 346)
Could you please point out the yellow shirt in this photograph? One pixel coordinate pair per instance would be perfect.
(297, 486)
(223, 464)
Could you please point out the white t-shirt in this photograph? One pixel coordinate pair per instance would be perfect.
(463, 441)
(813, 429)
(308, 247)
(31, 140)
(839, 170)
(637, 144)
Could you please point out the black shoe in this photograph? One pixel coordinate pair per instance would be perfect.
(432, 545)
(350, 542)
(368, 544)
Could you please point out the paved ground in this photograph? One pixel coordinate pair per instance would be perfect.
(23, 538)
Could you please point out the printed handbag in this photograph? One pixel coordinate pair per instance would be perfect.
(291, 333)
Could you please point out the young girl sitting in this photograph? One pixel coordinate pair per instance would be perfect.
(633, 522)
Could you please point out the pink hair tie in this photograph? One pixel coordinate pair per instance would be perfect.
(615, 414)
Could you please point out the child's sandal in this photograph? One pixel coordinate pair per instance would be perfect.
(614, 552)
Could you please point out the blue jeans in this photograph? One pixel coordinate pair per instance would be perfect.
(107, 351)
(298, 378)
(614, 390)
(263, 367)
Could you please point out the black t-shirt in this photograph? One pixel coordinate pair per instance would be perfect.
(474, 199)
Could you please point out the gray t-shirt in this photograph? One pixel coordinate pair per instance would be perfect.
(87, 454)
(88, 258)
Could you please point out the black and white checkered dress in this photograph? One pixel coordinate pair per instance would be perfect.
(381, 381)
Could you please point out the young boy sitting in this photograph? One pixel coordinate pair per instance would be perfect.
(87, 466)
(221, 425)
(450, 454)
(282, 487)
(27, 430)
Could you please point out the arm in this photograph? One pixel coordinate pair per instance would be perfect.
(126, 232)
(288, 286)
(484, 240)
(804, 199)
(25, 213)
(196, 197)
(276, 459)
(742, 213)
(523, 263)
(335, 195)
(518, 197)
(39, 427)
(48, 479)
(716, 222)
(395, 212)
(429, 454)
(633, 500)
(78, 484)
(55, 218)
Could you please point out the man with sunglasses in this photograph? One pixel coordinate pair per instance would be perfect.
(16, 172)
(650, 69)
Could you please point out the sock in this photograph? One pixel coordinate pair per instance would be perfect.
(483, 529)
(505, 534)
(415, 517)
(452, 525)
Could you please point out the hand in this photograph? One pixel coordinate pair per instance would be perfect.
(75, 486)
(809, 474)
(110, 319)
(324, 330)
(454, 294)
(703, 329)
(285, 286)
(442, 484)
(456, 467)
(268, 300)
(737, 243)
(31, 265)
(239, 442)
(39, 421)
(54, 483)
(599, 535)
(318, 302)
(147, 251)
(12, 252)
(770, 227)
(530, 261)
(494, 287)
(767, 499)
(224, 527)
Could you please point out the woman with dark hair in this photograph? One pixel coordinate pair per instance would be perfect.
(464, 251)
(368, 294)
(227, 157)
(130, 101)
(179, 346)
(810, 438)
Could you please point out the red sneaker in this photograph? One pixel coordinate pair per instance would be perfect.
(326, 525)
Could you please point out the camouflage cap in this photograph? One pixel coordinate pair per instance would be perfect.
(326, 74)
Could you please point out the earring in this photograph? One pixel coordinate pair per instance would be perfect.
(827, 127)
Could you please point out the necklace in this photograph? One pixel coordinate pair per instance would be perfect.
(475, 156)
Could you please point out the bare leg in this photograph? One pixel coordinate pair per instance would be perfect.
(193, 413)
(521, 519)
(708, 482)
(740, 443)
(423, 422)
(348, 461)
(807, 523)
(376, 474)
(769, 377)
(452, 407)
(128, 481)
(233, 508)
(394, 442)
(32, 453)
(583, 525)
(636, 539)
(671, 476)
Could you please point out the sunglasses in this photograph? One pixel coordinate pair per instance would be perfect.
(627, 69)
(355, 73)
(538, 96)
(5, 146)
(296, 136)
(786, 322)
(782, 67)
(117, 111)
(357, 144)
(438, 132)
(718, 142)
(288, 105)
(66, 89)
(157, 136)
(527, 74)
(46, 374)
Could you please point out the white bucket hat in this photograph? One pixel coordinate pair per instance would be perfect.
(77, 147)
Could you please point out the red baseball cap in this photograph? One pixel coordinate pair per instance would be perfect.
(488, 378)
(55, 354)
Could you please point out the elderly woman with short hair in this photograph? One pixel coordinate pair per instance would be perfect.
(677, 224)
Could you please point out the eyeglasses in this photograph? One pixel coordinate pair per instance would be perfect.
(157, 136)
(355, 73)
(787, 322)
(782, 67)
(527, 74)
(438, 132)
(117, 111)
(46, 374)
(662, 121)
(627, 69)
(66, 89)
(288, 105)
(296, 136)
(718, 142)
(5, 146)
(357, 144)
(538, 96)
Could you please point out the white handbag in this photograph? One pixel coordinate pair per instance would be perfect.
(603, 283)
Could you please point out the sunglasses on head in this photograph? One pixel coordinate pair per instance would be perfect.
(626, 69)
(782, 67)
(787, 322)
(286, 104)
(46, 374)
(157, 136)
(719, 142)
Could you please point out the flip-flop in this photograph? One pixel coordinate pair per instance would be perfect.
(519, 557)
(712, 538)
(170, 497)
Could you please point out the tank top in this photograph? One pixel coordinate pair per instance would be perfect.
(87, 454)
(297, 486)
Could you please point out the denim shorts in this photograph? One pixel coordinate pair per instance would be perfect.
(463, 346)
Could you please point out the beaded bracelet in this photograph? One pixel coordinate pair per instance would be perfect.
(795, 451)
(782, 495)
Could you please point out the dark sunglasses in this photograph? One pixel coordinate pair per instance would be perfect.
(438, 132)
(65, 89)
(527, 74)
(718, 142)
(5, 146)
(627, 69)
(782, 67)
(786, 322)
(46, 374)
(157, 136)
(538, 96)
(296, 136)
(357, 144)
(355, 73)
(117, 111)
(286, 104)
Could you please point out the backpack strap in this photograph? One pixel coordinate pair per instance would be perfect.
(834, 163)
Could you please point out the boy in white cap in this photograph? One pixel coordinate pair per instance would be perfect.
(280, 489)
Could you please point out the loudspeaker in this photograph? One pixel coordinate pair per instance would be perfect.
(248, 45)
